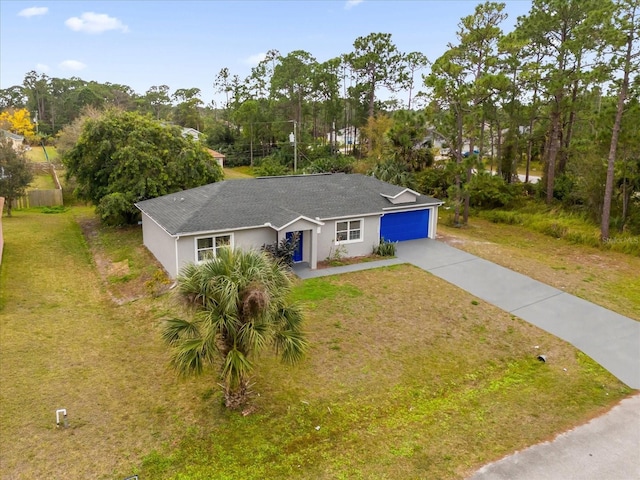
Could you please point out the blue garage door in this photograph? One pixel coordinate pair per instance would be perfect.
(396, 227)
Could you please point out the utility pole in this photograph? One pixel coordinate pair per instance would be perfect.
(251, 146)
(293, 139)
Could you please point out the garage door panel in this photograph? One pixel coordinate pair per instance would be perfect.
(401, 226)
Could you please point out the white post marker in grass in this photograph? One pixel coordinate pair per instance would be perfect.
(65, 421)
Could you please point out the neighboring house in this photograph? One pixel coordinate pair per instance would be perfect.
(192, 132)
(17, 140)
(437, 142)
(219, 157)
(346, 136)
(328, 211)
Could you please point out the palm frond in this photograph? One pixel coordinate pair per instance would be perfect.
(290, 317)
(189, 356)
(291, 346)
(236, 367)
(177, 329)
(254, 336)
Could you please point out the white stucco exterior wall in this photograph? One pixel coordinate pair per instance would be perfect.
(433, 222)
(370, 237)
(160, 244)
(253, 238)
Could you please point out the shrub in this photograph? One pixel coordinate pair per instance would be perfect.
(116, 209)
(436, 181)
(385, 248)
(331, 165)
(284, 251)
(491, 191)
(271, 167)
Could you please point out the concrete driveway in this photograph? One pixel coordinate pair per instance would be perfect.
(611, 339)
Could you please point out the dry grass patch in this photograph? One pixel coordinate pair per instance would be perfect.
(65, 344)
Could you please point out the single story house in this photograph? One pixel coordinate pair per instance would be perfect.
(345, 136)
(328, 211)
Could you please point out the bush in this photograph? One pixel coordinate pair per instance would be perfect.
(385, 248)
(331, 165)
(393, 172)
(491, 191)
(284, 251)
(116, 209)
(271, 167)
(436, 181)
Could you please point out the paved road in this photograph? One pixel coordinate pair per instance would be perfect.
(606, 448)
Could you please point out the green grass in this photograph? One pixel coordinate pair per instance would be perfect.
(42, 182)
(238, 172)
(36, 154)
(571, 227)
(407, 376)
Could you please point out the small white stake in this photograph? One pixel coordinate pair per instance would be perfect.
(62, 411)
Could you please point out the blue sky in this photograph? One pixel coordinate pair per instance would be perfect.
(184, 44)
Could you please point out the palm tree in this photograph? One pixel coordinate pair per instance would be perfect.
(239, 301)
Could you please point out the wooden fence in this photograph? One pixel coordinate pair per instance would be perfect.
(41, 198)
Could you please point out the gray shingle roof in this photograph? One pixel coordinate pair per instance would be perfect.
(234, 204)
(11, 135)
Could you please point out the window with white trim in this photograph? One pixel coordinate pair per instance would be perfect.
(348, 231)
(208, 247)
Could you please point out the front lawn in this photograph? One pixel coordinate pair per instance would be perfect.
(407, 377)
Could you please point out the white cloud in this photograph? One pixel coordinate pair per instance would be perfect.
(90, 22)
(254, 60)
(33, 11)
(352, 3)
(72, 65)
(41, 67)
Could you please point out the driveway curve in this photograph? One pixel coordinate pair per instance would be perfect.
(611, 339)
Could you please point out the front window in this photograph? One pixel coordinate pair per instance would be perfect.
(349, 231)
(208, 247)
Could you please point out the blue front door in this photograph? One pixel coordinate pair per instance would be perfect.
(297, 254)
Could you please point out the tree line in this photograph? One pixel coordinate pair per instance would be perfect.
(561, 90)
